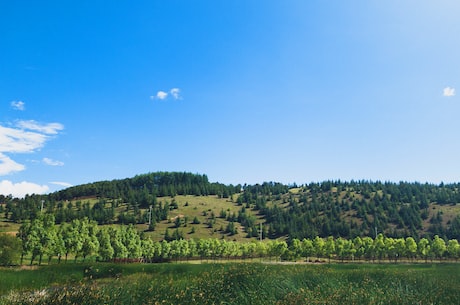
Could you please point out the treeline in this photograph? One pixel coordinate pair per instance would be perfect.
(144, 188)
(103, 211)
(83, 238)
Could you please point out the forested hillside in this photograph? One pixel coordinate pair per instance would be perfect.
(350, 209)
(330, 208)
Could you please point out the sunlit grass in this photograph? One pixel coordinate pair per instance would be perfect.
(201, 207)
(242, 284)
(9, 227)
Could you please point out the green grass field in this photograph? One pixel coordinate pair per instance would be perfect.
(232, 283)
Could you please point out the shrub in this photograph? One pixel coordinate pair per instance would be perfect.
(9, 249)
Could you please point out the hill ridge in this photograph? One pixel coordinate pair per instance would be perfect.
(328, 208)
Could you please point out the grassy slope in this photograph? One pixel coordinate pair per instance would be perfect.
(449, 212)
(199, 205)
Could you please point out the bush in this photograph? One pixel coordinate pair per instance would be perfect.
(9, 249)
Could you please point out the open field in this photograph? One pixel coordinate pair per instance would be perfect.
(232, 283)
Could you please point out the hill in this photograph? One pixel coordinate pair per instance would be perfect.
(184, 205)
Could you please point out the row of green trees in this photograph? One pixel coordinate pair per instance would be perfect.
(83, 238)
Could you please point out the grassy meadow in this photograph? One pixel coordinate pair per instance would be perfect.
(232, 283)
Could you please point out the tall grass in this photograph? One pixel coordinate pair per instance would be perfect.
(28, 278)
(246, 284)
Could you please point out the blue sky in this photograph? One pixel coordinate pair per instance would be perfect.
(242, 91)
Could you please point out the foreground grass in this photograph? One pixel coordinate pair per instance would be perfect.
(233, 283)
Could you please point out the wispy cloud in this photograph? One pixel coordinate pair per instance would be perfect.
(175, 92)
(52, 162)
(50, 128)
(18, 105)
(8, 166)
(24, 137)
(60, 183)
(22, 188)
(13, 140)
(448, 92)
(163, 95)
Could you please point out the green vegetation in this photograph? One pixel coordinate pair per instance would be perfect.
(177, 217)
(232, 284)
(85, 239)
(9, 248)
(187, 205)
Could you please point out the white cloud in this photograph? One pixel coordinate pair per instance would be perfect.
(163, 95)
(52, 162)
(60, 183)
(8, 166)
(175, 92)
(21, 189)
(448, 92)
(50, 128)
(18, 105)
(25, 137)
(19, 141)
